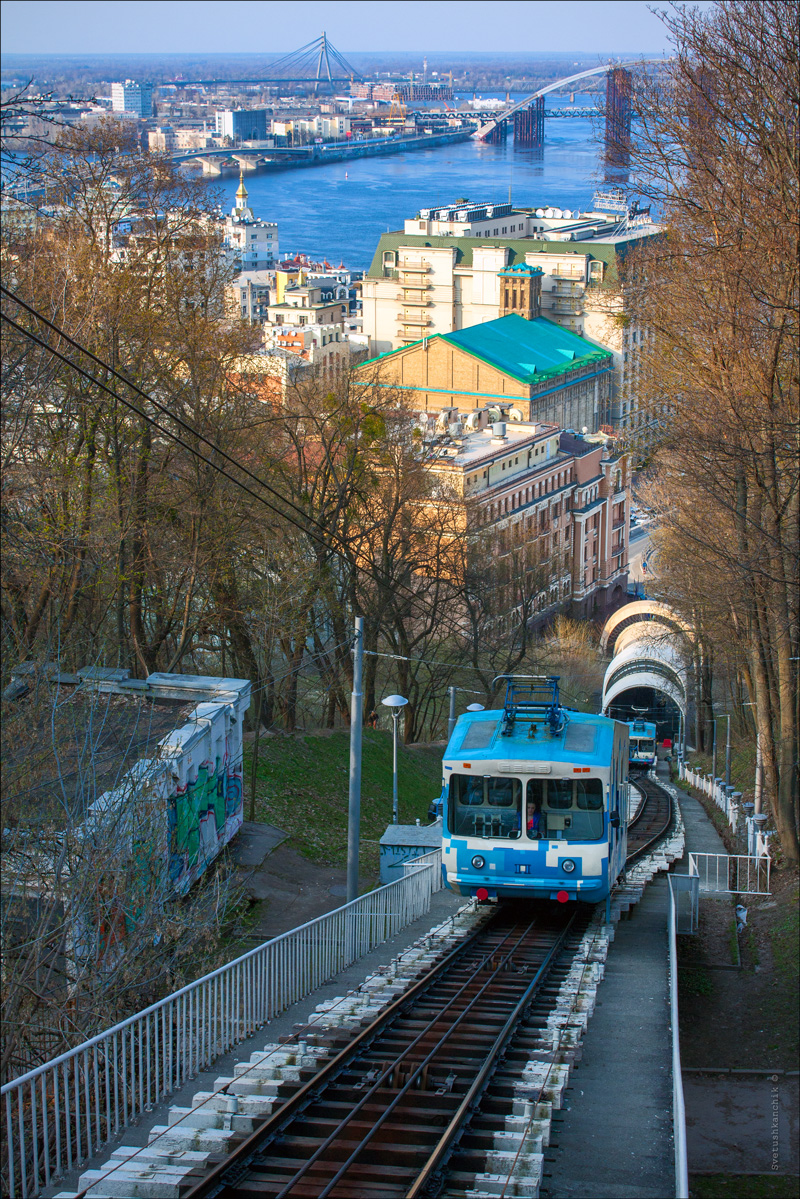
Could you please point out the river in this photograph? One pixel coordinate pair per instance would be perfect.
(339, 211)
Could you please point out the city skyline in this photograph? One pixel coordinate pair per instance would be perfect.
(147, 26)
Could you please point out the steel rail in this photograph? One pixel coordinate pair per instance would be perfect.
(410, 1080)
(230, 1173)
(207, 1186)
(448, 1137)
(660, 816)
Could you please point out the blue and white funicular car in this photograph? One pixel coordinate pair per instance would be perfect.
(536, 799)
(642, 754)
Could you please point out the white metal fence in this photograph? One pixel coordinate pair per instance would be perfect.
(724, 797)
(733, 874)
(434, 859)
(748, 827)
(61, 1113)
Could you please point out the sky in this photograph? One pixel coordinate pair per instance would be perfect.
(223, 26)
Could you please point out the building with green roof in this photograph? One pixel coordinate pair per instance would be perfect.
(531, 368)
(429, 283)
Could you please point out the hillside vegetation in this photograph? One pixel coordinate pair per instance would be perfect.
(302, 787)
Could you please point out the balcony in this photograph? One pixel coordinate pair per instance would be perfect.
(567, 272)
(415, 303)
(415, 268)
(568, 289)
(422, 320)
(567, 307)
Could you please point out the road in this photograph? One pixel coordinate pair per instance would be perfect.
(640, 545)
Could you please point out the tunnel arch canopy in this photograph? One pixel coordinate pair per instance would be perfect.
(639, 612)
(649, 662)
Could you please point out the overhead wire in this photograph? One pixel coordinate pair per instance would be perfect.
(183, 424)
(324, 538)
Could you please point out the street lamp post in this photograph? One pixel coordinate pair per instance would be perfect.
(727, 715)
(728, 751)
(396, 703)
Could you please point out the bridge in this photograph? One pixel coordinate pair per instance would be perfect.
(213, 162)
(311, 63)
(618, 107)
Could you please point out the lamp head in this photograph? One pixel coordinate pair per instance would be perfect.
(394, 701)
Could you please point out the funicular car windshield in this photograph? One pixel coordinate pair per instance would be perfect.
(644, 746)
(569, 809)
(485, 806)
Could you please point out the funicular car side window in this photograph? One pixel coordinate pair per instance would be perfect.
(486, 807)
(564, 809)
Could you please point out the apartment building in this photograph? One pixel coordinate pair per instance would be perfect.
(325, 347)
(249, 295)
(135, 98)
(538, 370)
(444, 272)
(242, 124)
(306, 304)
(541, 502)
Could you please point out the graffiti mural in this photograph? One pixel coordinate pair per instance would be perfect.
(202, 817)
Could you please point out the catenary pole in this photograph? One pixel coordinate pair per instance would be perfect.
(354, 802)
(451, 720)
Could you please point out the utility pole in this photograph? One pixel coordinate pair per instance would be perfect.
(354, 798)
(451, 719)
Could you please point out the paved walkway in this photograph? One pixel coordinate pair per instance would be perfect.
(701, 836)
(615, 1139)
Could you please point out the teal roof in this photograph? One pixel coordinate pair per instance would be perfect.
(521, 269)
(525, 348)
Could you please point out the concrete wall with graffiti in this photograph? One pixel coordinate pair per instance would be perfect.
(191, 788)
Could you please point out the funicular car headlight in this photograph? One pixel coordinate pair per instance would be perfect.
(478, 862)
(568, 865)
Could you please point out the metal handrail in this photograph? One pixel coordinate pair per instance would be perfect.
(732, 873)
(60, 1113)
(678, 1105)
(434, 859)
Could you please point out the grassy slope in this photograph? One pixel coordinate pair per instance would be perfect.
(302, 788)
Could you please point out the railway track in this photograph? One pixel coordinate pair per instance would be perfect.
(448, 1088)
(417, 1094)
(410, 1105)
(651, 821)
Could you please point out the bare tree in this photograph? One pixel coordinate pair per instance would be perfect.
(717, 150)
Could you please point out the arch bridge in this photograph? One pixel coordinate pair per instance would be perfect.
(486, 131)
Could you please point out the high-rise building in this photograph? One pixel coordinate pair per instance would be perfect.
(133, 97)
(242, 124)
